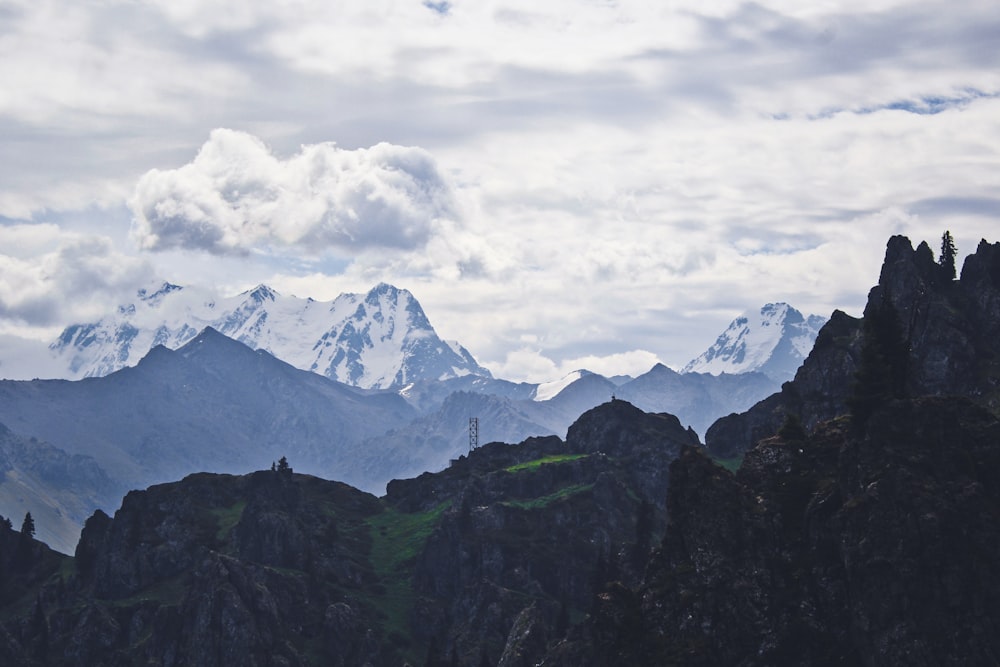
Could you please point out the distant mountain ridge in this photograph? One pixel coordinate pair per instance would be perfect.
(213, 404)
(378, 340)
(774, 341)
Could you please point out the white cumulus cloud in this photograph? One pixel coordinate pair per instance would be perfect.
(236, 196)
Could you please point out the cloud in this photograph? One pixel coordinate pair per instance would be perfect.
(236, 196)
(527, 364)
(49, 278)
(620, 175)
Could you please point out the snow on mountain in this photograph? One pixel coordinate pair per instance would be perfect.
(774, 341)
(377, 340)
(549, 390)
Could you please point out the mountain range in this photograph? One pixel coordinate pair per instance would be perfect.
(221, 400)
(378, 340)
(859, 530)
(216, 405)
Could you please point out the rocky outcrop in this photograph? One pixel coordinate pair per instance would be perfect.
(542, 525)
(263, 569)
(841, 548)
(487, 560)
(946, 331)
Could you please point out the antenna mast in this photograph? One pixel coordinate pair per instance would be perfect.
(473, 433)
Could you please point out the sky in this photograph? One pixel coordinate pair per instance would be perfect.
(570, 184)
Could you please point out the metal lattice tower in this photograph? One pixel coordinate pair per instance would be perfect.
(473, 433)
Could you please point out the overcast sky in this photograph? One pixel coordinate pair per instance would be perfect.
(565, 184)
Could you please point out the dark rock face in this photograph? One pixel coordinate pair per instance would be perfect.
(949, 332)
(263, 569)
(843, 548)
(487, 560)
(548, 520)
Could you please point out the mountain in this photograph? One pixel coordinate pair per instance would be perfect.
(698, 399)
(60, 490)
(213, 405)
(773, 341)
(379, 340)
(433, 440)
(844, 546)
(934, 336)
(510, 412)
(547, 390)
(216, 405)
(866, 538)
(278, 567)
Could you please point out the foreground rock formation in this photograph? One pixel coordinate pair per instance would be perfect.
(947, 335)
(277, 568)
(841, 548)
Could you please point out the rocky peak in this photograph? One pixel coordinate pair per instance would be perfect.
(773, 341)
(618, 428)
(379, 340)
(840, 547)
(262, 293)
(943, 329)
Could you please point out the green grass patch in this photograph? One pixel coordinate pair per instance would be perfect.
(538, 463)
(226, 518)
(397, 539)
(731, 464)
(544, 501)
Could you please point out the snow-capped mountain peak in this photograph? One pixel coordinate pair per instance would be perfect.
(377, 340)
(262, 293)
(773, 341)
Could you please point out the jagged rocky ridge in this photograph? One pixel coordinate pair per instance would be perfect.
(864, 541)
(276, 567)
(948, 331)
(840, 548)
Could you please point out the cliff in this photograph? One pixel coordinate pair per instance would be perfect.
(841, 548)
(947, 332)
(278, 568)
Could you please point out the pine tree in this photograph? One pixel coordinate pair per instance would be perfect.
(948, 254)
(25, 544)
(28, 526)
